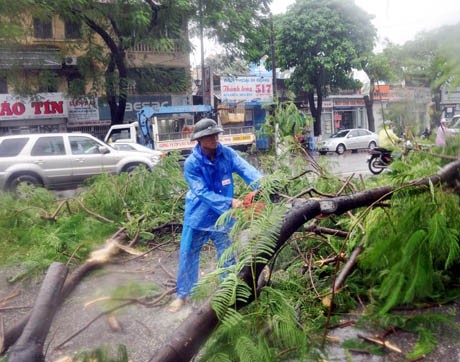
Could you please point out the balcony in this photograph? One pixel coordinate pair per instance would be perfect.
(175, 47)
(144, 54)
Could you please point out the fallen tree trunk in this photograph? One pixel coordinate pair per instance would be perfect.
(12, 334)
(29, 346)
(186, 341)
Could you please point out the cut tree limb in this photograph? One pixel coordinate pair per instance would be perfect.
(186, 341)
(29, 346)
(12, 334)
(347, 268)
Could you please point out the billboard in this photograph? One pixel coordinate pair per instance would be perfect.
(246, 89)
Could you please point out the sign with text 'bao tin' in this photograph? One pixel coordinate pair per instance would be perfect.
(40, 105)
(246, 89)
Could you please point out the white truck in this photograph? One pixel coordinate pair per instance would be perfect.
(168, 128)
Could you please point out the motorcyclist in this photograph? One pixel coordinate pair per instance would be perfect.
(387, 138)
(208, 172)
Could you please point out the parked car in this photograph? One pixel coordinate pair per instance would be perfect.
(62, 160)
(454, 125)
(130, 146)
(349, 139)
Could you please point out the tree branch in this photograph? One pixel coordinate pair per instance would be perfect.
(186, 341)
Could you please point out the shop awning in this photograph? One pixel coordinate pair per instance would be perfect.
(30, 58)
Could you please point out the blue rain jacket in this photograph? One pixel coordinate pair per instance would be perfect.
(211, 185)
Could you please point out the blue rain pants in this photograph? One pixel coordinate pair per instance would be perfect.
(189, 256)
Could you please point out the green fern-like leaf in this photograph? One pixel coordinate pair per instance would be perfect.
(247, 351)
(426, 343)
(422, 245)
(219, 357)
(230, 291)
(390, 290)
(443, 240)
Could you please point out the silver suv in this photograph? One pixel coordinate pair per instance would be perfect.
(62, 160)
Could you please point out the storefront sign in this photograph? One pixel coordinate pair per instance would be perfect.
(83, 111)
(135, 103)
(348, 103)
(237, 89)
(382, 91)
(41, 105)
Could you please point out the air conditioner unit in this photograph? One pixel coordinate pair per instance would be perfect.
(70, 60)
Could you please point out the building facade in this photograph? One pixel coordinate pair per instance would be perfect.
(38, 75)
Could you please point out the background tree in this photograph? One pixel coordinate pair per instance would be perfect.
(121, 26)
(430, 60)
(322, 40)
(449, 59)
(377, 69)
(226, 64)
(11, 25)
(12, 35)
(233, 24)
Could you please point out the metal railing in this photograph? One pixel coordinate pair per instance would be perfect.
(238, 130)
(146, 48)
(172, 136)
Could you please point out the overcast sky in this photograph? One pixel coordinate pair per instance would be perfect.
(395, 20)
(400, 20)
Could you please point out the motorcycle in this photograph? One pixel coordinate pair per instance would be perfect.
(380, 158)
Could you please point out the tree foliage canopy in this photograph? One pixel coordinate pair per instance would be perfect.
(322, 40)
(233, 23)
(431, 59)
(123, 25)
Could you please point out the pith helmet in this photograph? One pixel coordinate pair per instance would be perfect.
(205, 127)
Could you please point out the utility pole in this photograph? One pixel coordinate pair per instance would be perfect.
(272, 48)
(203, 82)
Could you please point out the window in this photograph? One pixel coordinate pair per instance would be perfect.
(43, 28)
(119, 134)
(48, 146)
(12, 147)
(353, 133)
(47, 81)
(80, 145)
(72, 29)
(76, 85)
(249, 115)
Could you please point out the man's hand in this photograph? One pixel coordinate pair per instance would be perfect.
(237, 203)
(249, 203)
(249, 198)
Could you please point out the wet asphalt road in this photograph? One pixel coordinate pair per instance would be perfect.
(348, 163)
(344, 165)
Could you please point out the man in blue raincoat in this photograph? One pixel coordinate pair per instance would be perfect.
(208, 171)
